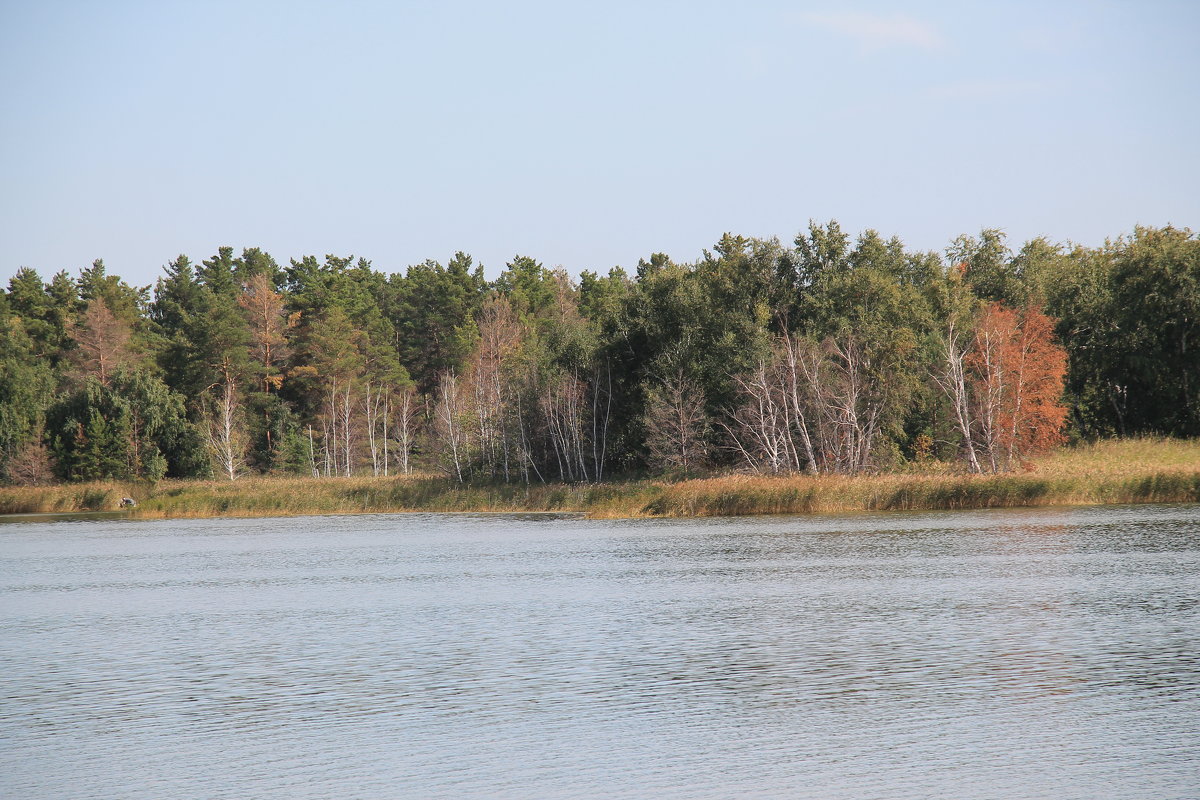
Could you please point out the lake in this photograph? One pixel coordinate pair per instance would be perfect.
(1048, 653)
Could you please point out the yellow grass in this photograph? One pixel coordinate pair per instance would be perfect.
(1127, 471)
(1110, 472)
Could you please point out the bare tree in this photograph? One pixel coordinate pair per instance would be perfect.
(677, 425)
(855, 401)
(31, 465)
(264, 311)
(564, 408)
(338, 361)
(601, 390)
(820, 408)
(375, 401)
(759, 428)
(794, 353)
(499, 336)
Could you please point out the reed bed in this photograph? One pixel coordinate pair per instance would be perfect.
(1103, 473)
(1113, 472)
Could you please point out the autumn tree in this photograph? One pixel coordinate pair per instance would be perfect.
(101, 341)
(1018, 372)
(264, 311)
(1006, 384)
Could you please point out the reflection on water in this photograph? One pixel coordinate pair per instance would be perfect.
(64, 516)
(1048, 653)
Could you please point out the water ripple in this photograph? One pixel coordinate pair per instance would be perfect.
(984, 655)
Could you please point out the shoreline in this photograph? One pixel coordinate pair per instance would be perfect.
(1109, 473)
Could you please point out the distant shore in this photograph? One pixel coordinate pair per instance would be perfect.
(1111, 472)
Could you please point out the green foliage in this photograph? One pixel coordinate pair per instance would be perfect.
(1129, 317)
(133, 427)
(601, 298)
(26, 388)
(579, 363)
(987, 266)
(333, 343)
(825, 250)
(275, 436)
(44, 316)
(1156, 305)
(86, 444)
(528, 285)
(126, 302)
(432, 310)
(254, 261)
(216, 274)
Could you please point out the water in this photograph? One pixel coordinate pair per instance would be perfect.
(1047, 653)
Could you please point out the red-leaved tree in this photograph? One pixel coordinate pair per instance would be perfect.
(1006, 384)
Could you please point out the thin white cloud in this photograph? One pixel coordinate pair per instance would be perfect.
(877, 31)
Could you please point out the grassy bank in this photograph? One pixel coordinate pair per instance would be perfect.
(1130, 471)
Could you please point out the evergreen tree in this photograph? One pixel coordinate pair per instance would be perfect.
(432, 310)
(26, 389)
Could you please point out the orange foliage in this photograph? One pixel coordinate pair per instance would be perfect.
(101, 341)
(1017, 372)
(264, 311)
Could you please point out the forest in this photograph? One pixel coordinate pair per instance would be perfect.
(836, 354)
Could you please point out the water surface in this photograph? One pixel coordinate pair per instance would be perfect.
(1043, 653)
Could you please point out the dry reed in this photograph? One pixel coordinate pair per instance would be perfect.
(1125, 471)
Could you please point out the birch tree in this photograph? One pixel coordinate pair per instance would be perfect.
(1005, 385)
(952, 378)
(1018, 376)
(224, 429)
(403, 426)
(677, 425)
(450, 420)
(333, 343)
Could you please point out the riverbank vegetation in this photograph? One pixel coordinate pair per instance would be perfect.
(1129, 471)
(760, 375)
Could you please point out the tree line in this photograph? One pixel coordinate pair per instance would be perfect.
(836, 354)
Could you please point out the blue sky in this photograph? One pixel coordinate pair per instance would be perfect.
(584, 135)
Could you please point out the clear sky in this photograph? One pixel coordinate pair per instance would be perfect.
(585, 135)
